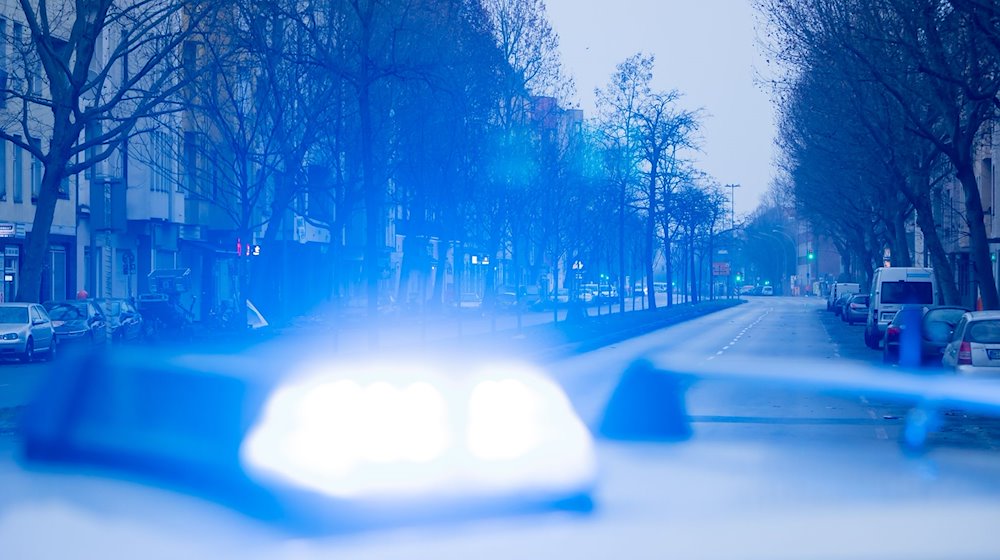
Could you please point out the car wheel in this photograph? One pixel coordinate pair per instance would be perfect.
(51, 354)
(29, 352)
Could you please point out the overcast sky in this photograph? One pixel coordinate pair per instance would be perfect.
(705, 49)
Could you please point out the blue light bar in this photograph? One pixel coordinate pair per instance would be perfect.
(344, 446)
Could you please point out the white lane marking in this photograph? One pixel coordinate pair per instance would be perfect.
(880, 433)
(872, 415)
(719, 353)
(864, 400)
(726, 347)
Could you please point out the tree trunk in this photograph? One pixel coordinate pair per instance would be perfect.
(939, 258)
(979, 250)
(37, 244)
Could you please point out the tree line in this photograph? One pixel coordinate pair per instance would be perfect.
(447, 117)
(886, 103)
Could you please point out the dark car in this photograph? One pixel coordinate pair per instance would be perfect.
(78, 321)
(936, 329)
(839, 303)
(124, 320)
(936, 325)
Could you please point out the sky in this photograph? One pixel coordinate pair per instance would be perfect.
(707, 50)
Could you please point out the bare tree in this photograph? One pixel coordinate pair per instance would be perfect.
(81, 78)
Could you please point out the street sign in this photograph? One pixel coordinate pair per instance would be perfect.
(720, 269)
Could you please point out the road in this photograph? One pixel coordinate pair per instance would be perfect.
(768, 474)
(784, 327)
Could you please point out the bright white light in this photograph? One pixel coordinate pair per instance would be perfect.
(395, 429)
(503, 420)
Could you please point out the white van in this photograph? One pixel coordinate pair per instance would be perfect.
(891, 288)
(838, 289)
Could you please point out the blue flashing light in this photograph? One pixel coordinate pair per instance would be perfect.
(355, 445)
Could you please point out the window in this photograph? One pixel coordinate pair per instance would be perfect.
(190, 58)
(160, 180)
(36, 171)
(907, 292)
(18, 171)
(93, 131)
(16, 40)
(3, 166)
(984, 332)
(3, 57)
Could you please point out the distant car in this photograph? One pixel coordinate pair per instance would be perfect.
(974, 348)
(746, 290)
(470, 300)
(26, 329)
(767, 291)
(855, 308)
(124, 320)
(839, 303)
(78, 321)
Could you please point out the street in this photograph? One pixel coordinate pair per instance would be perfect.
(763, 327)
(785, 474)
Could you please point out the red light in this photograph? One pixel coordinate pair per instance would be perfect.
(965, 354)
(239, 246)
(892, 333)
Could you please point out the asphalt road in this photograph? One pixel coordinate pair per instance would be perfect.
(780, 327)
(770, 473)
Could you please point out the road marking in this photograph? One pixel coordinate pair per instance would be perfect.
(726, 347)
(880, 433)
(864, 400)
(719, 353)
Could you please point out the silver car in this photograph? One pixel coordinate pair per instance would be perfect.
(855, 308)
(974, 348)
(25, 329)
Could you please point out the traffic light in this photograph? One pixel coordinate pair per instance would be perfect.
(739, 277)
(811, 255)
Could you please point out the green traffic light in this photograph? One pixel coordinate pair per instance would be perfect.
(812, 256)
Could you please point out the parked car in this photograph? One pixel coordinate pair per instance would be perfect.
(839, 303)
(78, 321)
(974, 348)
(837, 290)
(25, 330)
(896, 330)
(124, 320)
(936, 328)
(855, 308)
(891, 288)
(767, 291)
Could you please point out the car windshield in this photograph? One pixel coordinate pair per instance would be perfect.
(14, 315)
(907, 292)
(66, 311)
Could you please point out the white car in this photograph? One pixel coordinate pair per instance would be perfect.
(767, 291)
(974, 348)
(25, 329)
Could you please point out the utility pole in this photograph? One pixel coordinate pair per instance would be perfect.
(732, 236)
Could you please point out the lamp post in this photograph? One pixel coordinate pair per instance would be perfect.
(732, 232)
